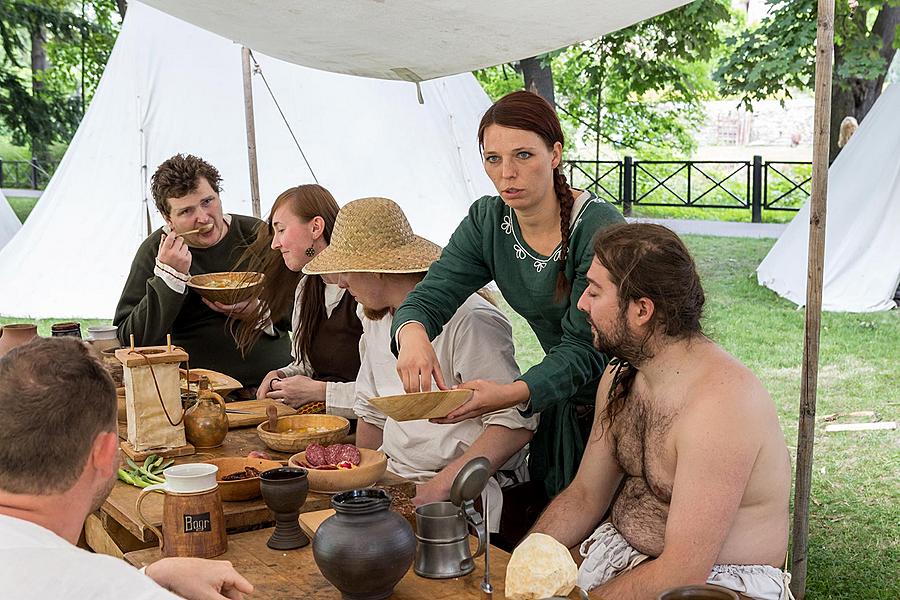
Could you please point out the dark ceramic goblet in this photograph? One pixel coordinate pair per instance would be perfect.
(284, 490)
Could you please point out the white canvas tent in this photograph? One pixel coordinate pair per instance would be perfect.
(412, 40)
(171, 87)
(862, 243)
(9, 222)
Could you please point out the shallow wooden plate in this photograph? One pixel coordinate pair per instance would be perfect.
(221, 383)
(240, 489)
(372, 465)
(421, 405)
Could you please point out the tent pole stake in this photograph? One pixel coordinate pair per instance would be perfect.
(251, 131)
(809, 377)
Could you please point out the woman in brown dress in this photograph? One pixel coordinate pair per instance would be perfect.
(326, 328)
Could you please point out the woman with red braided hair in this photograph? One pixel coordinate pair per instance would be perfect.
(534, 241)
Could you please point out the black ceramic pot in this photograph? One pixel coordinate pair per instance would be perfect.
(364, 550)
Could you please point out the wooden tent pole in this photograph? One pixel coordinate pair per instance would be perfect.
(251, 131)
(806, 428)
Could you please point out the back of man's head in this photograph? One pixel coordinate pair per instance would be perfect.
(650, 261)
(54, 400)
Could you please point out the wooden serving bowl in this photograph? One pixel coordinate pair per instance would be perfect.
(243, 285)
(240, 489)
(285, 440)
(372, 465)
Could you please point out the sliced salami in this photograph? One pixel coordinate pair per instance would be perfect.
(350, 453)
(316, 455)
(332, 454)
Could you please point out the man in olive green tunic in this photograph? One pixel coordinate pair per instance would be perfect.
(156, 301)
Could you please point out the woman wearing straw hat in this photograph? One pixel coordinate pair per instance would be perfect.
(534, 241)
(325, 322)
(380, 261)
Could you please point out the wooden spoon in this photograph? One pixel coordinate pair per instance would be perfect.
(272, 413)
(202, 229)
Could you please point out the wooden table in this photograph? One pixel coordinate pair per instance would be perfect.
(116, 528)
(287, 575)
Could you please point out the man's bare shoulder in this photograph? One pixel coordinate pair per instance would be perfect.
(722, 387)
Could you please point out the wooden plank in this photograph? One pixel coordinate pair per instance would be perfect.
(810, 369)
(286, 575)
(128, 449)
(883, 425)
(309, 522)
(98, 539)
(257, 408)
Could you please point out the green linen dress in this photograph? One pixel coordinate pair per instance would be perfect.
(488, 245)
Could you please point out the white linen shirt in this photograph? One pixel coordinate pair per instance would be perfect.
(37, 564)
(476, 343)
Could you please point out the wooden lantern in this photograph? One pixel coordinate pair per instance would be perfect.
(153, 398)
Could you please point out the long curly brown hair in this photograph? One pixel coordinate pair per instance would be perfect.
(528, 111)
(649, 261)
(277, 295)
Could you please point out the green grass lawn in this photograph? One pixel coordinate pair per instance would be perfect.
(709, 214)
(855, 511)
(22, 206)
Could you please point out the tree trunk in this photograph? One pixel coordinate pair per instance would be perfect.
(855, 97)
(538, 76)
(122, 6)
(39, 150)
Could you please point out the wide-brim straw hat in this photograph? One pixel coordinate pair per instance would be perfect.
(372, 235)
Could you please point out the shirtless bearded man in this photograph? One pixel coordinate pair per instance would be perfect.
(685, 447)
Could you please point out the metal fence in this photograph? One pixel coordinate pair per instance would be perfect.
(753, 185)
(26, 174)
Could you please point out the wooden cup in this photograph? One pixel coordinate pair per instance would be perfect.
(193, 521)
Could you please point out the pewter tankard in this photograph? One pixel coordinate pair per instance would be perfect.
(442, 529)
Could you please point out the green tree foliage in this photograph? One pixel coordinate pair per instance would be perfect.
(778, 56)
(638, 89)
(41, 100)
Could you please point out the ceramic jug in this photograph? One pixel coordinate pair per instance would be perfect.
(67, 329)
(206, 423)
(193, 521)
(16, 334)
(364, 549)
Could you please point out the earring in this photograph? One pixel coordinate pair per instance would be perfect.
(310, 251)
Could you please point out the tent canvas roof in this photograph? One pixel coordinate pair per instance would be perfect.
(170, 87)
(862, 239)
(9, 222)
(410, 39)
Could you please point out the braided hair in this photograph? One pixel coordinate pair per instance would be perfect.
(528, 111)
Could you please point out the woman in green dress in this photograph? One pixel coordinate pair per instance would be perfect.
(534, 241)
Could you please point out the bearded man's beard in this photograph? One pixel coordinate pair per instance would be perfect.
(376, 314)
(621, 343)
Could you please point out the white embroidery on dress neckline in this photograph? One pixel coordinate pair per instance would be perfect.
(519, 248)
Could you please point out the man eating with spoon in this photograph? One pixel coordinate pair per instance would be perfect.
(197, 238)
